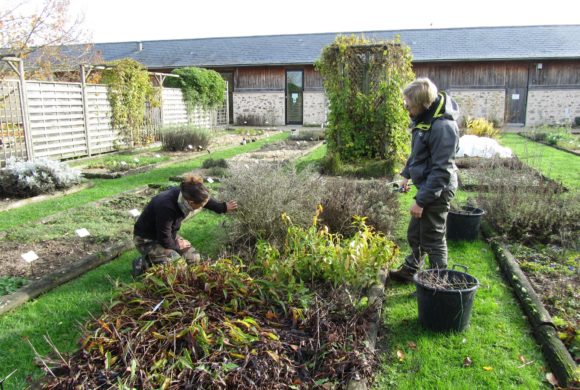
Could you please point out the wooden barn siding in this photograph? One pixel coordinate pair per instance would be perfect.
(272, 78)
(555, 74)
(501, 74)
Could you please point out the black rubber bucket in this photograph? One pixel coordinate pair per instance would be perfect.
(445, 309)
(463, 225)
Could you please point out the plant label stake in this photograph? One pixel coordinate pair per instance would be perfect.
(29, 257)
(83, 233)
(134, 213)
(209, 180)
(5, 379)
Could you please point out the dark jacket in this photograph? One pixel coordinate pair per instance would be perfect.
(434, 142)
(162, 218)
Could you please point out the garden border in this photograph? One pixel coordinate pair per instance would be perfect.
(149, 167)
(376, 297)
(555, 352)
(61, 276)
(523, 135)
(39, 198)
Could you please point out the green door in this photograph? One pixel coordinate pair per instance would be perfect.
(294, 92)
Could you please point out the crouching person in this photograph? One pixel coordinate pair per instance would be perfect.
(155, 232)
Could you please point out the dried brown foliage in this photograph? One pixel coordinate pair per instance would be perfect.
(373, 199)
(216, 327)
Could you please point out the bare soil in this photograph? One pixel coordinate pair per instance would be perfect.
(55, 253)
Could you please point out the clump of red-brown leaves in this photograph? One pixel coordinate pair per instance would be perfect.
(213, 326)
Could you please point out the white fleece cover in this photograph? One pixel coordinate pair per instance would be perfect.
(474, 146)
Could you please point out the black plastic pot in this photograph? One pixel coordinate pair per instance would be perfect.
(444, 310)
(464, 224)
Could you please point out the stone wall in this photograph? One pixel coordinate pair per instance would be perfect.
(552, 106)
(480, 103)
(314, 108)
(259, 108)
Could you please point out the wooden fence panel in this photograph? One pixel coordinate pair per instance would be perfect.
(174, 110)
(102, 136)
(56, 117)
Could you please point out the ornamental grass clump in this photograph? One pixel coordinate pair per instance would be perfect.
(23, 179)
(481, 128)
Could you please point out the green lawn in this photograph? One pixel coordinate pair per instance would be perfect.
(494, 341)
(553, 163)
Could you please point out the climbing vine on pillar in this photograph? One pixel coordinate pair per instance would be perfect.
(363, 81)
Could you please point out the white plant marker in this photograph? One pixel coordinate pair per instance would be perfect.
(157, 306)
(209, 180)
(158, 155)
(82, 232)
(29, 257)
(189, 147)
(134, 213)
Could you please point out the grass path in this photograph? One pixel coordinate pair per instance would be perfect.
(553, 163)
(498, 333)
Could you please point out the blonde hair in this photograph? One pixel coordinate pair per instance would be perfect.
(193, 189)
(421, 92)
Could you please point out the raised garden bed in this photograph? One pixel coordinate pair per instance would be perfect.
(558, 338)
(226, 325)
(130, 163)
(54, 239)
(483, 175)
(569, 143)
(13, 203)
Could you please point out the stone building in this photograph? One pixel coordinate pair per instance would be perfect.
(512, 75)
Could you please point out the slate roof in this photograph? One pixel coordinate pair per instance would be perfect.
(428, 45)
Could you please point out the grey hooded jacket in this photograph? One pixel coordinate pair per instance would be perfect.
(434, 142)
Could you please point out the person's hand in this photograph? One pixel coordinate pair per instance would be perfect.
(416, 210)
(183, 243)
(232, 205)
(405, 185)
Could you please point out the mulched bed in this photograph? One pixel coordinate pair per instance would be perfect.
(213, 326)
(480, 174)
(555, 276)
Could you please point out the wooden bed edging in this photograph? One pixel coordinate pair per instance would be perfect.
(561, 362)
(40, 198)
(48, 282)
(376, 296)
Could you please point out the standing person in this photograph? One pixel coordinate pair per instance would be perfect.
(155, 232)
(431, 167)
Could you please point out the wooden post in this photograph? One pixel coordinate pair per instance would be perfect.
(23, 103)
(85, 109)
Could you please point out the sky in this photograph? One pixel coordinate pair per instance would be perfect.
(142, 20)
